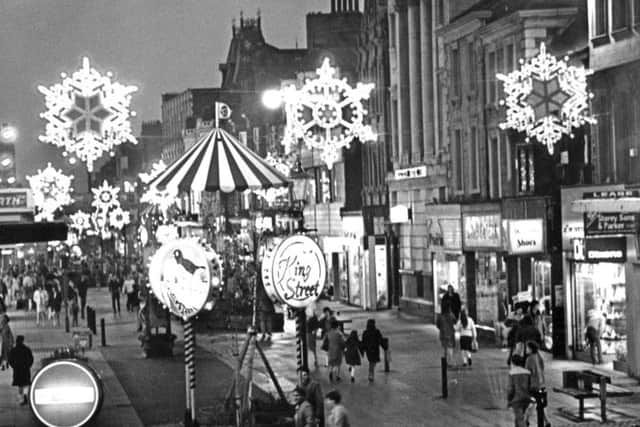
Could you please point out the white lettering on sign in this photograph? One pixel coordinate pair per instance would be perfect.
(415, 172)
(604, 254)
(63, 395)
(526, 235)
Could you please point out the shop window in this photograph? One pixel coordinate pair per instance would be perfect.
(525, 168)
(600, 298)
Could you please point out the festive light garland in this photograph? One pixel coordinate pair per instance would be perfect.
(105, 197)
(80, 221)
(118, 218)
(270, 195)
(51, 191)
(87, 114)
(156, 169)
(327, 114)
(161, 198)
(546, 98)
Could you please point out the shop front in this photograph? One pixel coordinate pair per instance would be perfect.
(444, 233)
(602, 269)
(484, 262)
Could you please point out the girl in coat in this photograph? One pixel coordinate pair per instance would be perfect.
(371, 343)
(467, 329)
(352, 353)
(336, 342)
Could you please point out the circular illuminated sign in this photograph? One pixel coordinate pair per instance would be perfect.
(294, 271)
(65, 393)
(180, 277)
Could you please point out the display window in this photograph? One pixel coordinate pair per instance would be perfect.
(599, 291)
(490, 278)
(448, 269)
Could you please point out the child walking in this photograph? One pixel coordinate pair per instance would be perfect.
(352, 353)
(468, 337)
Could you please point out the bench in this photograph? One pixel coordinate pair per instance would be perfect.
(583, 385)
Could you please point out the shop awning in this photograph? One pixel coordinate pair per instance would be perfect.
(622, 204)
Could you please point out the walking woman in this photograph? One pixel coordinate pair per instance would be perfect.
(336, 345)
(371, 343)
(313, 324)
(6, 341)
(535, 364)
(352, 353)
(21, 360)
(468, 338)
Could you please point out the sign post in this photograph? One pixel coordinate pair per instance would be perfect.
(180, 276)
(294, 273)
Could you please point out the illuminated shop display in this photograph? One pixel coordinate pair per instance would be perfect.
(327, 114)
(546, 98)
(87, 114)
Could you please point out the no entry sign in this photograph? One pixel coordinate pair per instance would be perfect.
(65, 393)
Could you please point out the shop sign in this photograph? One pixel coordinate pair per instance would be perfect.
(612, 194)
(610, 249)
(352, 228)
(410, 173)
(180, 277)
(607, 223)
(294, 272)
(16, 200)
(526, 236)
(482, 231)
(578, 249)
(65, 393)
(451, 233)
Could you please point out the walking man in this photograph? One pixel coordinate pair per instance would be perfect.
(21, 360)
(114, 288)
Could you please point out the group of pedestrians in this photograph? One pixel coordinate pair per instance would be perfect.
(310, 404)
(457, 330)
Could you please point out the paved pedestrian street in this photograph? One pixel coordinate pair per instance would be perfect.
(150, 392)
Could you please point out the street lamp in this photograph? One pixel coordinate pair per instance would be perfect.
(8, 133)
(300, 180)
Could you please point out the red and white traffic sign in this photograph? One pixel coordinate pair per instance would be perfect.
(65, 393)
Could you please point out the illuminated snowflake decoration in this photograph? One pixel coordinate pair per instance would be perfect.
(156, 169)
(87, 114)
(51, 191)
(118, 218)
(80, 221)
(105, 197)
(270, 195)
(327, 114)
(546, 98)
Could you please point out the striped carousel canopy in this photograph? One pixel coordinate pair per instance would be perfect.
(219, 162)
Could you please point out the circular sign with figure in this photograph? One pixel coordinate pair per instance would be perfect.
(180, 277)
(294, 271)
(65, 393)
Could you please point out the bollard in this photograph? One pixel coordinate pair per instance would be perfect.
(103, 337)
(91, 320)
(385, 347)
(445, 387)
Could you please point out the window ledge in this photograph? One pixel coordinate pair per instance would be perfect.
(621, 33)
(600, 40)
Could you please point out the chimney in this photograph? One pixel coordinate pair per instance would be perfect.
(333, 6)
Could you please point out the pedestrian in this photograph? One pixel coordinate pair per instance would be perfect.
(75, 306)
(451, 302)
(513, 323)
(6, 341)
(21, 360)
(468, 337)
(40, 300)
(595, 326)
(83, 286)
(128, 288)
(56, 305)
(518, 394)
(446, 326)
(335, 344)
(28, 286)
(313, 325)
(535, 364)
(313, 391)
(338, 416)
(114, 289)
(266, 311)
(303, 416)
(325, 327)
(372, 341)
(352, 353)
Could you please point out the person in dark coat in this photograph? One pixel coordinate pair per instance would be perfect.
(371, 343)
(352, 353)
(313, 391)
(21, 360)
(451, 302)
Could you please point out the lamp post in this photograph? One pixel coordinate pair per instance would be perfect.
(300, 183)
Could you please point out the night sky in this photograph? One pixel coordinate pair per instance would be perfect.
(158, 45)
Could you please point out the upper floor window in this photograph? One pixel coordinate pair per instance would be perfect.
(472, 66)
(440, 12)
(458, 158)
(474, 158)
(491, 78)
(620, 14)
(510, 56)
(636, 12)
(456, 71)
(601, 18)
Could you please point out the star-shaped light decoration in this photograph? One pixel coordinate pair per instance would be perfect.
(51, 190)
(546, 98)
(87, 114)
(270, 195)
(327, 114)
(118, 218)
(156, 169)
(105, 197)
(80, 221)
